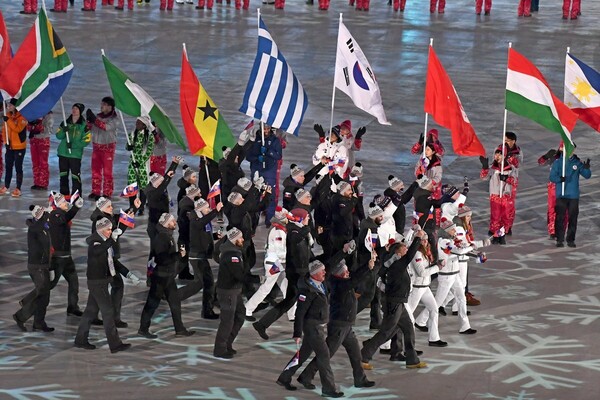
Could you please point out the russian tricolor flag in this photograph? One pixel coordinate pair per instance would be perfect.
(126, 220)
(582, 91)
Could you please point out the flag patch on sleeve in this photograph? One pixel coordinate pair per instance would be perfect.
(302, 298)
(235, 259)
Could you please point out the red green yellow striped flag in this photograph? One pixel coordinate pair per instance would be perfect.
(205, 128)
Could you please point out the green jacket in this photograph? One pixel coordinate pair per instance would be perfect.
(79, 138)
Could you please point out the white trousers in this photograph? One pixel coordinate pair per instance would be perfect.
(264, 289)
(426, 296)
(462, 271)
(447, 283)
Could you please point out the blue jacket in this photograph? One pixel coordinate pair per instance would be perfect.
(573, 168)
(270, 154)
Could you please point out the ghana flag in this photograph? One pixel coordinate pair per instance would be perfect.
(205, 128)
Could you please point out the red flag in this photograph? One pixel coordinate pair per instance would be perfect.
(5, 52)
(442, 102)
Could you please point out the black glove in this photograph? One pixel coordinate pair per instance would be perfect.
(90, 116)
(451, 191)
(466, 188)
(586, 164)
(135, 164)
(419, 176)
(550, 154)
(319, 129)
(563, 179)
(129, 147)
(7, 146)
(485, 162)
(361, 132)
(503, 177)
(5, 118)
(31, 135)
(421, 137)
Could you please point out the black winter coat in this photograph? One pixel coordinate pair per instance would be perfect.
(97, 270)
(38, 242)
(231, 267)
(60, 230)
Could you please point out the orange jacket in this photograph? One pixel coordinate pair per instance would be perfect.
(16, 124)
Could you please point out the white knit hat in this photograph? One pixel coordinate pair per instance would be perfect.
(295, 171)
(156, 179)
(103, 203)
(447, 224)
(464, 211)
(200, 204)
(192, 191)
(58, 198)
(301, 194)
(234, 196)
(103, 223)
(234, 234)
(165, 218)
(375, 211)
(340, 268)
(315, 266)
(423, 182)
(37, 211)
(343, 186)
(244, 183)
(357, 170)
(395, 183)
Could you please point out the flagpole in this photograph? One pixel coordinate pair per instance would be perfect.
(62, 106)
(5, 104)
(333, 91)
(262, 123)
(564, 153)
(426, 114)
(504, 129)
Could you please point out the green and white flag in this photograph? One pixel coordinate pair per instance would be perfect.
(133, 100)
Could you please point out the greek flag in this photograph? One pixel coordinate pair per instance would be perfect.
(274, 95)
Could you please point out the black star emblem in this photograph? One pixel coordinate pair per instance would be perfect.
(208, 111)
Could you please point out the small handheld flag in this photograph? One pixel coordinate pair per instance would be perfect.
(74, 197)
(369, 241)
(130, 190)
(126, 220)
(294, 360)
(215, 190)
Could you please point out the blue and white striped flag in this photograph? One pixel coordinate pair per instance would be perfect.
(274, 95)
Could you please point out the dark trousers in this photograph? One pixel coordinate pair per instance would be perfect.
(313, 341)
(160, 285)
(284, 305)
(151, 230)
(370, 296)
(182, 268)
(117, 288)
(571, 208)
(65, 267)
(231, 319)
(39, 298)
(68, 165)
(339, 334)
(395, 319)
(98, 300)
(203, 279)
(14, 158)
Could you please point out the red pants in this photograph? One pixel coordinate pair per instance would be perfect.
(361, 5)
(89, 4)
(399, 4)
(574, 9)
(524, 8)
(441, 4)
(108, 2)
(238, 4)
(158, 164)
(324, 4)
(103, 156)
(502, 212)
(59, 5)
(279, 4)
(487, 7)
(121, 4)
(40, 149)
(30, 6)
(166, 4)
(209, 3)
(551, 209)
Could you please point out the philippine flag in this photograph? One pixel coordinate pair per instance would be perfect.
(130, 190)
(582, 91)
(126, 220)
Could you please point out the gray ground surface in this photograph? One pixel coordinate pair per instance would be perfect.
(540, 313)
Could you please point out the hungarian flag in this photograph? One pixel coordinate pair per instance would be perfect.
(205, 128)
(5, 51)
(40, 71)
(529, 95)
(136, 102)
(443, 103)
(582, 91)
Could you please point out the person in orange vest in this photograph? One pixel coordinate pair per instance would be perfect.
(14, 135)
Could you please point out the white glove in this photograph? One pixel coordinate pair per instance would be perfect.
(311, 241)
(190, 269)
(244, 137)
(350, 247)
(51, 276)
(134, 278)
(258, 180)
(116, 233)
(486, 242)
(79, 202)
(380, 285)
(252, 135)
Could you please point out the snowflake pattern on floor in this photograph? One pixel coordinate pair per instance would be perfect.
(44, 392)
(157, 376)
(522, 395)
(525, 270)
(542, 361)
(512, 323)
(191, 354)
(512, 292)
(588, 308)
(218, 393)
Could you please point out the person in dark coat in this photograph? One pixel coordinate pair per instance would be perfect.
(229, 293)
(342, 316)
(184, 206)
(342, 224)
(396, 318)
(201, 250)
(312, 314)
(400, 198)
(162, 281)
(230, 165)
(100, 272)
(297, 180)
(38, 266)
